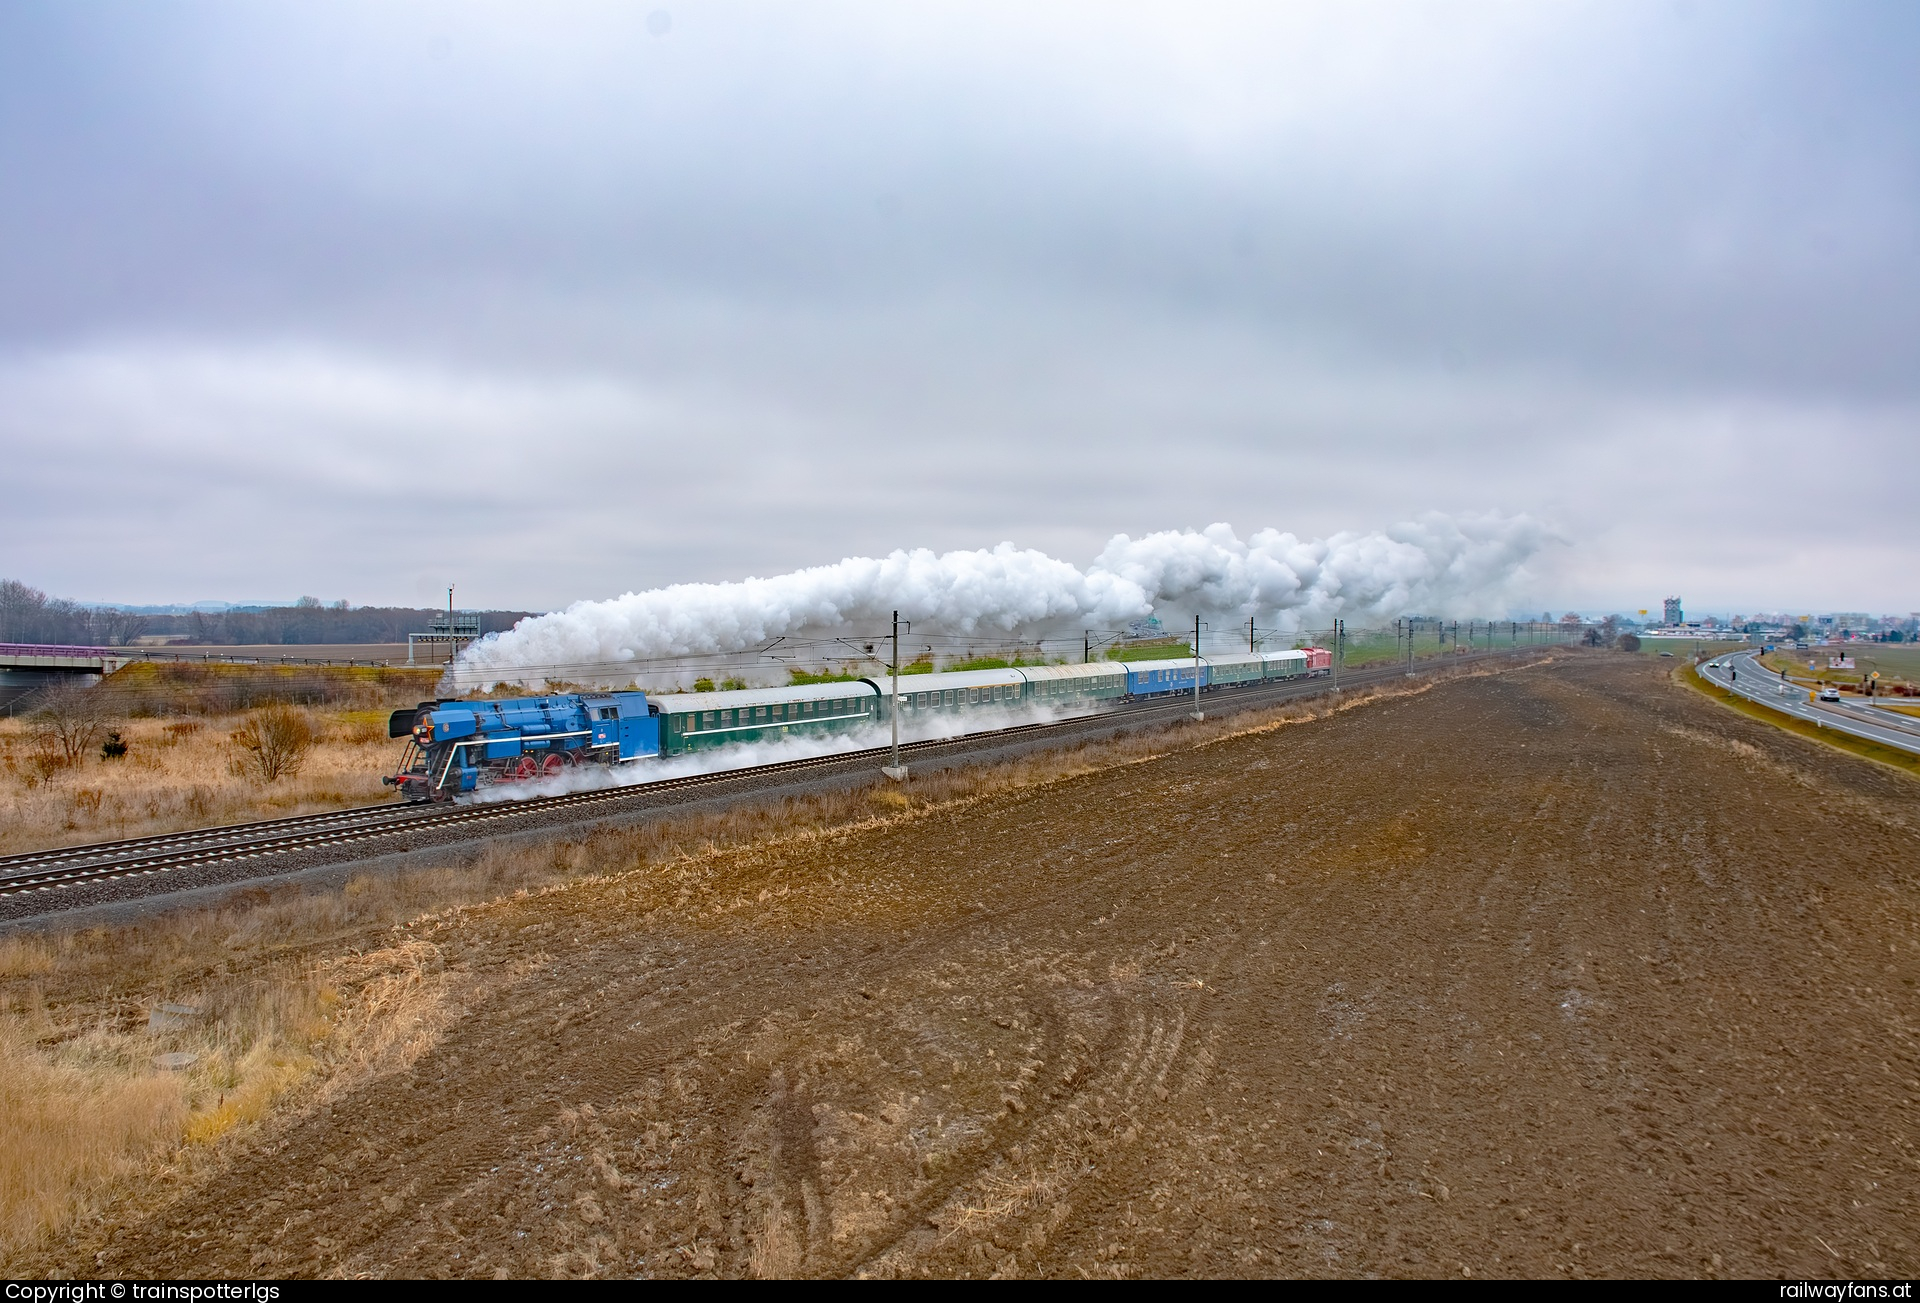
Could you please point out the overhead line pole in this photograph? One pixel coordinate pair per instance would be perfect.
(1197, 712)
(896, 771)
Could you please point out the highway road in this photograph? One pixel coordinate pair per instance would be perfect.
(1742, 674)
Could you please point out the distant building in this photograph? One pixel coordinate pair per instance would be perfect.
(1674, 616)
(450, 631)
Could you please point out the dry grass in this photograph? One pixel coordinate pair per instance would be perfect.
(90, 1114)
(68, 1127)
(304, 994)
(181, 774)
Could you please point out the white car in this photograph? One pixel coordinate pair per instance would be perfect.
(1829, 694)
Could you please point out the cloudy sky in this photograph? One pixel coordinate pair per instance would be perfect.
(560, 300)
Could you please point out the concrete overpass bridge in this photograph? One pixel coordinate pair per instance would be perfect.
(25, 668)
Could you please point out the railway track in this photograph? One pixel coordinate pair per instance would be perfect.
(277, 839)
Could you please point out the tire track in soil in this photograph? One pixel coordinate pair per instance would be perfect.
(1508, 978)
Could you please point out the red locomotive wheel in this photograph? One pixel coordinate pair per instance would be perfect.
(524, 767)
(552, 765)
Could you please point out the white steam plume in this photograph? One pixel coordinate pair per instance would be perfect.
(1436, 565)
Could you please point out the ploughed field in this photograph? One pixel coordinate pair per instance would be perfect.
(1563, 970)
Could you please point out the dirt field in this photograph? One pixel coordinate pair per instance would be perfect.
(1558, 971)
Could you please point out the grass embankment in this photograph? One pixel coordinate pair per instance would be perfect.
(184, 689)
(1905, 761)
(302, 993)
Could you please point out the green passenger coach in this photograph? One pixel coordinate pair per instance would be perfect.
(706, 721)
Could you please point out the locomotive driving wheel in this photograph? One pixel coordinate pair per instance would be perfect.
(524, 767)
(553, 764)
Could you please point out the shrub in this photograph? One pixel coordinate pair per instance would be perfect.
(703, 685)
(273, 743)
(44, 757)
(1628, 642)
(113, 748)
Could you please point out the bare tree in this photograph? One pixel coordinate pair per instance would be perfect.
(69, 721)
(20, 608)
(117, 628)
(274, 742)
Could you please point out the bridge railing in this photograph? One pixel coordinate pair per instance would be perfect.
(71, 653)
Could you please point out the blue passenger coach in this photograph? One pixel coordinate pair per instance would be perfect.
(1159, 678)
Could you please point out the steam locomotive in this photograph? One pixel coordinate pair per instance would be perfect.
(462, 746)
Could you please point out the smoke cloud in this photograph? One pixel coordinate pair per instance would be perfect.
(1435, 565)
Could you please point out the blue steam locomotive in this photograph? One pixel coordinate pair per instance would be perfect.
(461, 746)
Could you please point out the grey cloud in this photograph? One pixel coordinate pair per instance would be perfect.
(798, 283)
